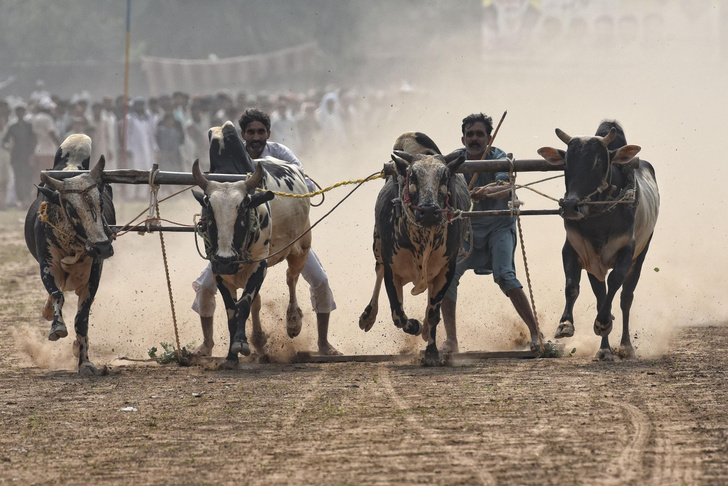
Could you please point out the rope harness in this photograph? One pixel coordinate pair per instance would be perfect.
(627, 195)
(405, 201)
(86, 197)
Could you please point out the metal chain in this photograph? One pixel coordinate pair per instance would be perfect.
(515, 209)
(154, 189)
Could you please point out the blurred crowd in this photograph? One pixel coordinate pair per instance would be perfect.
(170, 130)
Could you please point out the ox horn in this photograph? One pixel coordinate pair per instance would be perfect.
(563, 136)
(255, 178)
(408, 157)
(200, 179)
(49, 181)
(609, 137)
(98, 169)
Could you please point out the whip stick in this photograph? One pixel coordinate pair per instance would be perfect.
(490, 144)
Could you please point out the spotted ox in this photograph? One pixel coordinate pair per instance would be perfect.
(67, 231)
(248, 231)
(416, 237)
(610, 210)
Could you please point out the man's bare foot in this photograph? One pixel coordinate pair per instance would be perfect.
(328, 350)
(204, 349)
(449, 346)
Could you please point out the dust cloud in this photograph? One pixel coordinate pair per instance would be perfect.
(669, 97)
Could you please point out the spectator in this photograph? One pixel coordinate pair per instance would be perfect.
(46, 139)
(141, 145)
(20, 141)
(170, 137)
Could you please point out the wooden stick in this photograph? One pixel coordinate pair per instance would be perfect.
(490, 144)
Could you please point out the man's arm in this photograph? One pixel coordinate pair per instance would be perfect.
(501, 190)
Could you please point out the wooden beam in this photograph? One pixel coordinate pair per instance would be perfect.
(133, 176)
(308, 357)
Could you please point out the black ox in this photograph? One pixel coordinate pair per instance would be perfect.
(67, 231)
(417, 235)
(610, 210)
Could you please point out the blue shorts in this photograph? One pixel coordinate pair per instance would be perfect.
(491, 255)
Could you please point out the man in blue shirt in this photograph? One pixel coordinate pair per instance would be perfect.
(492, 241)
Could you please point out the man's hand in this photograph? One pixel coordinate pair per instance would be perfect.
(499, 191)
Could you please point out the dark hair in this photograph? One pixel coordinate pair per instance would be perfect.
(470, 120)
(250, 115)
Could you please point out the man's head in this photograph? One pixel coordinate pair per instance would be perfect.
(137, 105)
(255, 130)
(476, 130)
(20, 111)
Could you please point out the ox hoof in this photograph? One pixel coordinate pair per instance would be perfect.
(58, 331)
(432, 357)
(604, 355)
(626, 352)
(565, 329)
(603, 329)
(259, 340)
(240, 347)
(367, 318)
(294, 321)
(412, 326)
(88, 369)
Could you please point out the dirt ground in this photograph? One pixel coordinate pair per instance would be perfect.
(660, 420)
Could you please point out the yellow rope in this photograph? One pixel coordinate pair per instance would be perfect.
(326, 189)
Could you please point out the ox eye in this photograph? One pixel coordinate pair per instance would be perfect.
(443, 188)
(246, 200)
(412, 188)
(206, 200)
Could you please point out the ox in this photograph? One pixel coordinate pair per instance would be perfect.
(240, 237)
(416, 239)
(610, 210)
(67, 231)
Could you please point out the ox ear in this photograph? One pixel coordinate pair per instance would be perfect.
(402, 160)
(552, 155)
(454, 160)
(625, 154)
(200, 179)
(201, 198)
(260, 198)
(255, 179)
(98, 169)
(50, 194)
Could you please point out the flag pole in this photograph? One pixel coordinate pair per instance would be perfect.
(126, 86)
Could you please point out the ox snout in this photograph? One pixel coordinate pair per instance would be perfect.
(224, 266)
(103, 249)
(428, 215)
(571, 210)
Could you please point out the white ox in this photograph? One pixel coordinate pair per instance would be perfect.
(248, 231)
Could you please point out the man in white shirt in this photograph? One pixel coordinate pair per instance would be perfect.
(141, 145)
(47, 142)
(255, 130)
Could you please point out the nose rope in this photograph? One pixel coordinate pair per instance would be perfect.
(450, 213)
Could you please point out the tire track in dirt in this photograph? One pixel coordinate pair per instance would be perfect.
(630, 461)
(430, 435)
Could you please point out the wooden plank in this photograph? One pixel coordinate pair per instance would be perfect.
(309, 357)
